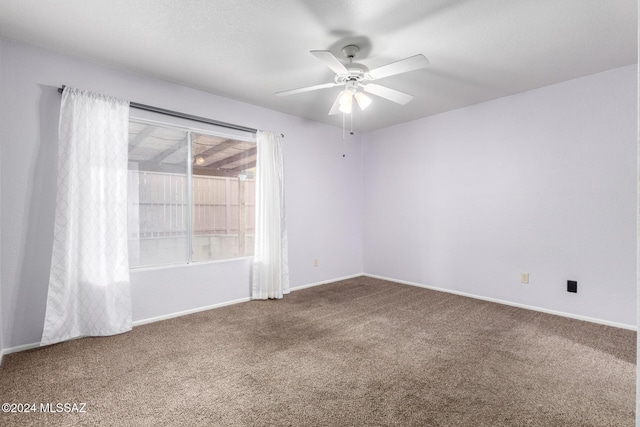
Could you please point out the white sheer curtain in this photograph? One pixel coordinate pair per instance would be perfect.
(270, 273)
(89, 292)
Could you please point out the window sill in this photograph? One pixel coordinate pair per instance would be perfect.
(188, 265)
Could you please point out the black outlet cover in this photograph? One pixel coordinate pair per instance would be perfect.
(572, 286)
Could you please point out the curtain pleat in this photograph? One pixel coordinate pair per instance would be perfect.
(89, 291)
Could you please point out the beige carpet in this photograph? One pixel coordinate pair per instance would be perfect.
(352, 353)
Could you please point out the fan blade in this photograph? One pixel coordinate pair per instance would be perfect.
(390, 94)
(330, 61)
(403, 66)
(306, 89)
(335, 108)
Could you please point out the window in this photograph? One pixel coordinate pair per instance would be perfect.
(191, 195)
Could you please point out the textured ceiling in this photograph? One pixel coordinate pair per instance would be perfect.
(250, 49)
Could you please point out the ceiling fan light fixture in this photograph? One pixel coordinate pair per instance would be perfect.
(363, 100)
(346, 101)
(346, 108)
(345, 97)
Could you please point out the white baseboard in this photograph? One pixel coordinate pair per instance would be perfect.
(513, 304)
(18, 348)
(135, 323)
(186, 312)
(310, 285)
(223, 304)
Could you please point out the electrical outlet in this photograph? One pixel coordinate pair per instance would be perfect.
(524, 277)
(572, 286)
(315, 262)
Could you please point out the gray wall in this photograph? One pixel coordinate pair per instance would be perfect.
(323, 191)
(542, 182)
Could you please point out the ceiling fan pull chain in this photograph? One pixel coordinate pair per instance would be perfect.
(351, 118)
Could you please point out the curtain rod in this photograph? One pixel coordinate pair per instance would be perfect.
(184, 115)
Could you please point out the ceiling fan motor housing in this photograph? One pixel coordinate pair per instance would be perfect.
(357, 72)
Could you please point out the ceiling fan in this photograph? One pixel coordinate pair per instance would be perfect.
(356, 78)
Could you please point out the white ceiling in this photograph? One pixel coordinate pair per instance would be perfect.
(250, 49)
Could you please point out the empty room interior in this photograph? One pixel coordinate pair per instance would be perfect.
(326, 213)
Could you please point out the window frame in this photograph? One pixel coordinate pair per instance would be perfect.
(211, 130)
